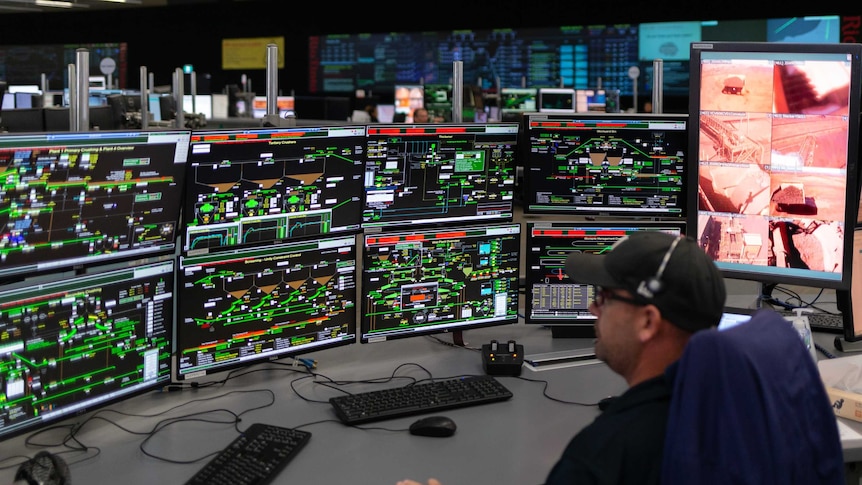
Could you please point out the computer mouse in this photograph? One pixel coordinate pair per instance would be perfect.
(436, 426)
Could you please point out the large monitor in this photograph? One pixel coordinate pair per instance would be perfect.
(438, 101)
(253, 186)
(439, 173)
(558, 100)
(74, 199)
(774, 127)
(241, 307)
(552, 299)
(614, 164)
(423, 281)
(72, 343)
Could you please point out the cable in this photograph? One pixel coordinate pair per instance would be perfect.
(829, 355)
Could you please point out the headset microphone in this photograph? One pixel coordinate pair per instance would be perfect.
(649, 287)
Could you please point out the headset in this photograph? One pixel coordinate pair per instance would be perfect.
(649, 287)
(43, 469)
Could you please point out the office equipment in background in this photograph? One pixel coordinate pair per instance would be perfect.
(75, 199)
(613, 164)
(555, 301)
(385, 113)
(168, 107)
(256, 456)
(774, 127)
(439, 174)
(57, 118)
(220, 106)
(239, 307)
(420, 398)
(438, 101)
(203, 104)
(82, 341)
(154, 106)
(102, 118)
(445, 279)
(23, 120)
(557, 100)
(514, 102)
(407, 98)
(8, 101)
(248, 187)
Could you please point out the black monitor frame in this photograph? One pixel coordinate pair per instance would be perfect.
(82, 198)
(552, 300)
(247, 187)
(782, 120)
(606, 164)
(434, 280)
(77, 342)
(439, 174)
(240, 307)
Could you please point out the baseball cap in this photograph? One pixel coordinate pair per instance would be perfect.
(671, 272)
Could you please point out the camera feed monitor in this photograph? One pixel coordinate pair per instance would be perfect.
(240, 307)
(606, 164)
(431, 280)
(439, 173)
(256, 186)
(552, 298)
(80, 342)
(72, 199)
(775, 127)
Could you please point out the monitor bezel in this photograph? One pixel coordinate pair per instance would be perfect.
(274, 252)
(455, 327)
(532, 206)
(583, 323)
(769, 275)
(89, 278)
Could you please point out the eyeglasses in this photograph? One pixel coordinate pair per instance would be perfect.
(603, 295)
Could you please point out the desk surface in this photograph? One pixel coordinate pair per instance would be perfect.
(513, 442)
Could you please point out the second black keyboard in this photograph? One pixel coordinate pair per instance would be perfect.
(415, 399)
(254, 458)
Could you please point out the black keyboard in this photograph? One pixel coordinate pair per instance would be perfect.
(254, 457)
(826, 322)
(418, 399)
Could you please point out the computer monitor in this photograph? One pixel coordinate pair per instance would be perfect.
(154, 106)
(552, 299)
(423, 281)
(385, 113)
(774, 127)
(612, 164)
(73, 343)
(557, 100)
(240, 307)
(438, 101)
(82, 198)
(409, 97)
(253, 186)
(22, 120)
(200, 104)
(516, 101)
(441, 173)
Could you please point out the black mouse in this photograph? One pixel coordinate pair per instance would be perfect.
(436, 426)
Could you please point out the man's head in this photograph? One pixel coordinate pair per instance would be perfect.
(420, 115)
(652, 291)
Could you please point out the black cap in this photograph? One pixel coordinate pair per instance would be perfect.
(670, 272)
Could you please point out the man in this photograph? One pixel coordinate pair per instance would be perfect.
(420, 115)
(652, 292)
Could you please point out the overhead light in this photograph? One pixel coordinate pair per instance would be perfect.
(54, 3)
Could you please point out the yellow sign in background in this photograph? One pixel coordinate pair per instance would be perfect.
(249, 53)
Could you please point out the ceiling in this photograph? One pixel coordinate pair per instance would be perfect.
(58, 6)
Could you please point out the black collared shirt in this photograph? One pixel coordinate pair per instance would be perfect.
(622, 446)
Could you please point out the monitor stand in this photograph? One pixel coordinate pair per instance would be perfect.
(458, 338)
(573, 331)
